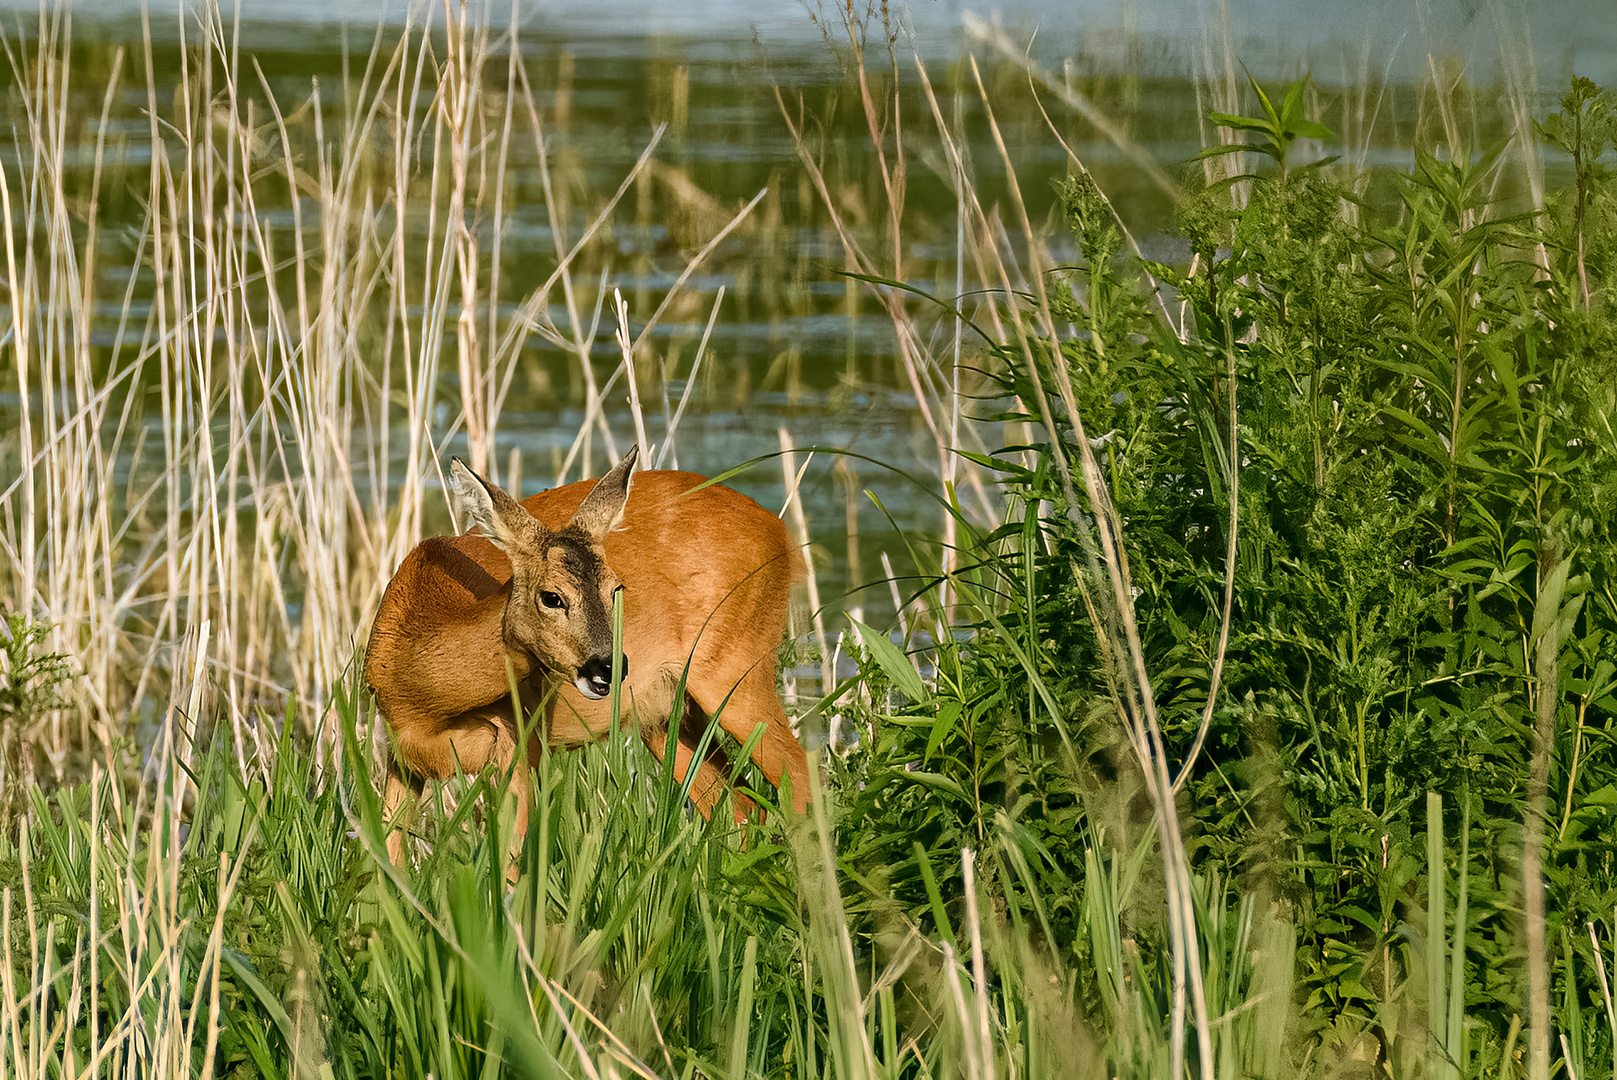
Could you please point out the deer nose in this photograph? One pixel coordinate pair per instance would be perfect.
(595, 676)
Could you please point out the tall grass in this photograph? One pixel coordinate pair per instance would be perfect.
(254, 450)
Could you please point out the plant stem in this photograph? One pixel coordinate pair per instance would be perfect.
(1545, 699)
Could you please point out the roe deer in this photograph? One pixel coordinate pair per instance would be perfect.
(706, 577)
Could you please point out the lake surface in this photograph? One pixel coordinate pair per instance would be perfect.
(796, 344)
(1162, 38)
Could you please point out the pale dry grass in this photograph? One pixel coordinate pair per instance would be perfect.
(307, 318)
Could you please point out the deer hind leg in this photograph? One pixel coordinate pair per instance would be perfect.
(708, 786)
(653, 705)
(714, 772)
(753, 701)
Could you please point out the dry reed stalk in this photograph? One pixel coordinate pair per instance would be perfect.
(286, 372)
(979, 970)
(1114, 617)
(462, 79)
(952, 459)
(994, 35)
(923, 370)
(830, 942)
(499, 181)
(554, 991)
(668, 455)
(849, 478)
(160, 1026)
(911, 349)
(580, 342)
(1222, 94)
(793, 477)
(1230, 550)
(621, 309)
(1513, 30)
(1076, 163)
(695, 262)
(1605, 982)
(595, 415)
(900, 609)
(1545, 696)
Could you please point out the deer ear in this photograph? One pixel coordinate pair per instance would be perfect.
(485, 507)
(602, 508)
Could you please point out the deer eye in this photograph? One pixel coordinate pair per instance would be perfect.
(551, 600)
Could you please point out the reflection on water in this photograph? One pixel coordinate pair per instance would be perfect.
(798, 345)
(1159, 38)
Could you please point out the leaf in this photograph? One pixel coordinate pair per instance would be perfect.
(1362, 917)
(948, 715)
(1224, 148)
(1549, 599)
(1242, 123)
(941, 783)
(1263, 98)
(243, 969)
(891, 659)
(1310, 129)
(1567, 619)
(1292, 106)
(1328, 159)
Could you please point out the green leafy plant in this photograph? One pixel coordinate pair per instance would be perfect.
(31, 681)
(1276, 130)
(1421, 593)
(31, 677)
(1583, 130)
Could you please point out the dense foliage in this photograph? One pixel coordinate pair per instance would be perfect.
(1423, 581)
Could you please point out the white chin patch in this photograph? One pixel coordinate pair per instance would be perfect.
(585, 689)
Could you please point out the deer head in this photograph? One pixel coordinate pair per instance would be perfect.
(559, 611)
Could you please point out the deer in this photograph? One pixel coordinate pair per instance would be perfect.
(705, 575)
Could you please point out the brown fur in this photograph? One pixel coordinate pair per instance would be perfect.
(707, 576)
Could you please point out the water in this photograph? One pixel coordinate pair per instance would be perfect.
(797, 345)
(1162, 38)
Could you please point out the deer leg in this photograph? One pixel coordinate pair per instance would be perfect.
(495, 744)
(753, 701)
(691, 729)
(475, 741)
(712, 772)
(708, 784)
(399, 807)
(652, 704)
